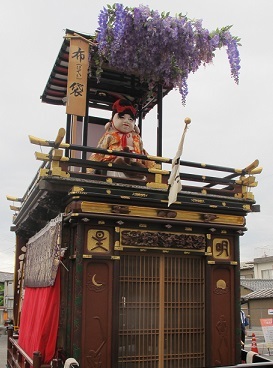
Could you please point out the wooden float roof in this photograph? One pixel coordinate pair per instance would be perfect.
(112, 85)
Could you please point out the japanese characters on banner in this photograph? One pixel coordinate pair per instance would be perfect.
(267, 327)
(77, 77)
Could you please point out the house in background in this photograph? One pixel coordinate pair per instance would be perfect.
(7, 285)
(247, 270)
(260, 305)
(263, 267)
(257, 289)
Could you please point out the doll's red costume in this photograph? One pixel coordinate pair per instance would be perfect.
(122, 135)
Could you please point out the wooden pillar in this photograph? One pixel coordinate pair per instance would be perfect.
(37, 359)
(221, 305)
(76, 316)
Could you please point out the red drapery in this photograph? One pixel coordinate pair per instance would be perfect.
(39, 320)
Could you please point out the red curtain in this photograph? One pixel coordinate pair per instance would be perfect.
(39, 320)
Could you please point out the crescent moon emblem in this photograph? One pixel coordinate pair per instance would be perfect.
(94, 281)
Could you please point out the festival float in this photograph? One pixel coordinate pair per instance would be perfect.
(124, 259)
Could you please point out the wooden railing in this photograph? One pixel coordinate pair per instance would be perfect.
(18, 358)
(237, 183)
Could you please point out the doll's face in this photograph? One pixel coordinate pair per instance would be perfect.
(124, 124)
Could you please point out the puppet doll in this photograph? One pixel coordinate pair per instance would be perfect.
(122, 135)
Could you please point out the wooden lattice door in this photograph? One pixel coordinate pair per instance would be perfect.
(161, 311)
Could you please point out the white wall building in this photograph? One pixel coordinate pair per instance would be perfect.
(263, 268)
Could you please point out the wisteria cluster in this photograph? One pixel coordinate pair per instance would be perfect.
(160, 48)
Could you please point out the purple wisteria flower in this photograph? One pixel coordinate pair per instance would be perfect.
(160, 48)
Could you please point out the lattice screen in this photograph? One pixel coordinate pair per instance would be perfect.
(161, 321)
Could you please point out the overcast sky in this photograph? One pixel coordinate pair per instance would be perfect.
(231, 124)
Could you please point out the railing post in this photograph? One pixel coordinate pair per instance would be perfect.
(9, 344)
(54, 363)
(10, 334)
(37, 359)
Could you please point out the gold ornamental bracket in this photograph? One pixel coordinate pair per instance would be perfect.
(55, 156)
(14, 199)
(247, 180)
(57, 143)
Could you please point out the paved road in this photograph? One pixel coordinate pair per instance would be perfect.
(3, 351)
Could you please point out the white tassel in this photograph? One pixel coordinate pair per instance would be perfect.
(70, 361)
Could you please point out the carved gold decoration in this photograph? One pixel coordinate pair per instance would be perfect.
(166, 213)
(95, 282)
(151, 212)
(246, 207)
(98, 241)
(221, 287)
(208, 217)
(120, 209)
(77, 189)
(118, 246)
(221, 248)
(221, 284)
(142, 195)
(162, 240)
(194, 200)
